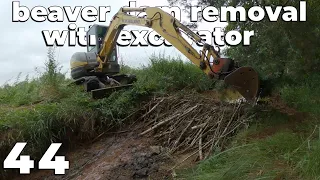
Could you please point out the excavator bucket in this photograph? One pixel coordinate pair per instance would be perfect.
(246, 81)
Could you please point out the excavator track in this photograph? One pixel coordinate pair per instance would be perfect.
(101, 87)
(105, 92)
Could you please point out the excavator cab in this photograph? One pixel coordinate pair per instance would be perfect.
(99, 33)
(83, 64)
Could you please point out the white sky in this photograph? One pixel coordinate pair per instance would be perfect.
(23, 47)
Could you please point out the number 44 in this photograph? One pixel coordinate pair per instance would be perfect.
(25, 163)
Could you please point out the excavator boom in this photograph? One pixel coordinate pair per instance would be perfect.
(244, 79)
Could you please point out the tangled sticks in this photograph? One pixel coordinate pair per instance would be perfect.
(193, 123)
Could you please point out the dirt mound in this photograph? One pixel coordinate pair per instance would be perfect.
(143, 166)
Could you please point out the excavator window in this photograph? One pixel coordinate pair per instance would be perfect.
(99, 31)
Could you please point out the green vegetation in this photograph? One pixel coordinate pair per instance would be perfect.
(286, 55)
(304, 94)
(275, 147)
(46, 109)
(166, 74)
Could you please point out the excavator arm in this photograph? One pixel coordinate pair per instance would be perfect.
(244, 79)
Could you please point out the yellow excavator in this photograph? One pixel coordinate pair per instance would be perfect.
(98, 68)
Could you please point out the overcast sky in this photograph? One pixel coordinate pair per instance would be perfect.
(23, 47)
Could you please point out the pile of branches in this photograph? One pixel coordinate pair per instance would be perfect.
(193, 123)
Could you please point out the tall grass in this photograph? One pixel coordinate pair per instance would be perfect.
(25, 92)
(304, 94)
(261, 159)
(165, 74)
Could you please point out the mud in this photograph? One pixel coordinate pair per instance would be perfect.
(119, 156)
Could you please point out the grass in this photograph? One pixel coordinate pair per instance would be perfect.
(257, 160)
(304, 95)
(165, 74)
(273, 147)
(20, 93)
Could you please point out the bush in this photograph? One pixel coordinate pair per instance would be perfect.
(304, 94)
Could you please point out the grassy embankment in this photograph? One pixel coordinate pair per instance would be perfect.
(44, 110)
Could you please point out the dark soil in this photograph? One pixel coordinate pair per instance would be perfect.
(118, 156)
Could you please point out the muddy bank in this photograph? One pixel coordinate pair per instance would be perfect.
(170, 133)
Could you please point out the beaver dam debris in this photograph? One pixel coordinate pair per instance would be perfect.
(193, 123)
